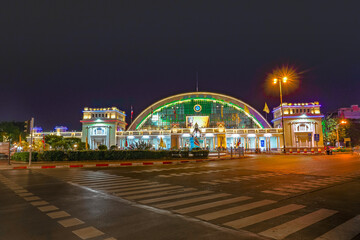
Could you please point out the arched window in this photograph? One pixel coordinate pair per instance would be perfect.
(99, 131)
(303, 127)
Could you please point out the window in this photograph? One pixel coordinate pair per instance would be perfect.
(99, 131)
(308, 110)
(303, 128)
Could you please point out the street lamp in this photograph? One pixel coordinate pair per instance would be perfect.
(284, 80)
(337, 132)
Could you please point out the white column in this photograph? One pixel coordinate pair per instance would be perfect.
(313, 132)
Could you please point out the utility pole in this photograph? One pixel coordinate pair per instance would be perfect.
(31, 139)
(9, 151)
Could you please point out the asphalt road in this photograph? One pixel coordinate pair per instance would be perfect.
(261, 197)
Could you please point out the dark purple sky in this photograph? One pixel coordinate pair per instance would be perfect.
(60, 56)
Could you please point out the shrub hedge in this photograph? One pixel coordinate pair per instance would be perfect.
(24, 156)
(108, 155)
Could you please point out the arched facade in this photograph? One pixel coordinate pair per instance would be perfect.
(181, 110)
(221, 121)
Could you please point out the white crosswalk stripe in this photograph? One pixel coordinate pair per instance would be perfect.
(234, 210)
(285, 229)
(276, 192)
(99, 180)
(183, 195)
(345, 231)
(157, 194)
(247, 221)
(211, 205)
(118, 186)
(242, 178)
(146, 191)
(162, 169)
(192, 200)
(126, 189)
(115, 183)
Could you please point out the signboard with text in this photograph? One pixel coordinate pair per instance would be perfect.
(317, 137)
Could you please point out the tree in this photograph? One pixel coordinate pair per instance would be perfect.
(12, 131)
(329, 130)
(61, 143)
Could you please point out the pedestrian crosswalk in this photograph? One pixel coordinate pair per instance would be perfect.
(196, 173)
(309, 185)
(162, 169)
(263, 216)
(242, 178)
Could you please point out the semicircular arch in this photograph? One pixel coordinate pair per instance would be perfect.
(175, 99)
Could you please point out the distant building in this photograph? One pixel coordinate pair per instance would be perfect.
(201, 119)
(352, 113)
(302, 124)
(100, 125)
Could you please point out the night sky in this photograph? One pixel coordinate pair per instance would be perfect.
(58, 57)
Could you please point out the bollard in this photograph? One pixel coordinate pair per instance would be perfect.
(305, 150)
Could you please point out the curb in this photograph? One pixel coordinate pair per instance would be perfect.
(124, 164)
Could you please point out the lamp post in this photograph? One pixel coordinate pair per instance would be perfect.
(337, 132)
(284, 80)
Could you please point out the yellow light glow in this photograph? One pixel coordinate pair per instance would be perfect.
(285, 79)
(343, 122)
(275, 80)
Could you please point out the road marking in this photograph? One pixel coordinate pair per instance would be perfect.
(115, 183)
(107, 181)
(192, 200)
(88, 232)
(234, 210)
(211, 205)
(159, 193)
(39, 203)
(58, 214)
(161, 199)
(95, 180)
(70, 222)
(276, 193)
(119, 190)
(25, 194)
(146, 191)
(127, 186)
(31, 198)
(21, 191)
(284, 230)
(48, 208)
(247, 221)
(287, 190)
(345, 231)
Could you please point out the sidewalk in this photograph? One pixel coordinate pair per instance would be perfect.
(86, 164)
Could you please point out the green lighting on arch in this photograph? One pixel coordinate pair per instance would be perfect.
(173, 103)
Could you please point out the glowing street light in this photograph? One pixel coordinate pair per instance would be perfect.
(284, 80)
(337, 132)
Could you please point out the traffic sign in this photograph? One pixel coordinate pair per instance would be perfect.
(316, 137)
(309, 136)
(262, 143)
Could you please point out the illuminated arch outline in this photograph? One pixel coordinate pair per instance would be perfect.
(206, 96)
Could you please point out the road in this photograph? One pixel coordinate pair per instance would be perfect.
(260, 197)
